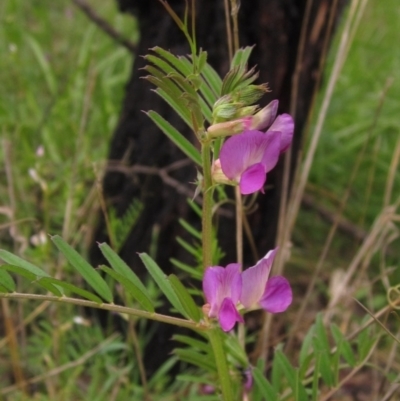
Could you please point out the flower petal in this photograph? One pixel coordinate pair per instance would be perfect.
(220, 283)
(253, 179)
(228, 315)
(277, 296)
(242, 151)
(254, 280)
(272, 151)
(285, 124)
(265, 117)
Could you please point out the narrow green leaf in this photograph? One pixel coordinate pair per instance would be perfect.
(190, 229)
(74, 289)
(33, 278)
(17, 261)
(20, 271)
(212, 79)
(320, 333)
(183, 144)
(263, 386)
(162, 281)
(346, 349)
(121, 267)
(165, 67)
(241, 57)
(315, 383)
(286, 368)
(196, 358)
(236, 351)
(335, 361)
(277, 373)
(131, 288)
(46, 283)
(180, 66)
(191, 249)
(306, 346)
(325, 360)
(305, 365)
(195, 273)
(205, 110)
(181, 110)
(7, 281)
(194, 343)
(84, 268)
(185, 299)
(300, 393)
(291, 375)
(202, 60)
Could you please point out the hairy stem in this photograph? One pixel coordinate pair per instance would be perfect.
(207, 206)
(111, 307)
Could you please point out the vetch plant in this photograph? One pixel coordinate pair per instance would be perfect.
(238, 144)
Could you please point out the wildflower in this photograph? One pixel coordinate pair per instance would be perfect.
(222, 288)
(247, 158)
(226, 289)
(274, 294)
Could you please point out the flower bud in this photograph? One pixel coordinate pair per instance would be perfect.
(265, 117)
(229, 127)
(250, 94)
(218, 175)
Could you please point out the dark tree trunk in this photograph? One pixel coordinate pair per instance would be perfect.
(274, 27)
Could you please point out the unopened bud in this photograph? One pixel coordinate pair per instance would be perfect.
(229, 127)
(250, 94)
(265, 117)
(218, 175)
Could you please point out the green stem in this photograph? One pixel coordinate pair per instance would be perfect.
(207, 205)
(214, 336)
(111, 307)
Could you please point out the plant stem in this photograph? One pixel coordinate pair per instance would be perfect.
(207, 206)
(214, 336)
(111, 307)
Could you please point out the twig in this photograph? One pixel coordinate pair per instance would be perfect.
(104, 25)
(161, 172)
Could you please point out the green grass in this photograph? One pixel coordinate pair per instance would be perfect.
(373, 60)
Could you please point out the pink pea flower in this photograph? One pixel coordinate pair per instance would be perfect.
(274, 294)
(226, 288)
(247, 158)
(222, 288)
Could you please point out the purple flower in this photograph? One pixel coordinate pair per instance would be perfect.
(247, 158)
(274, 294)
(222, 288)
